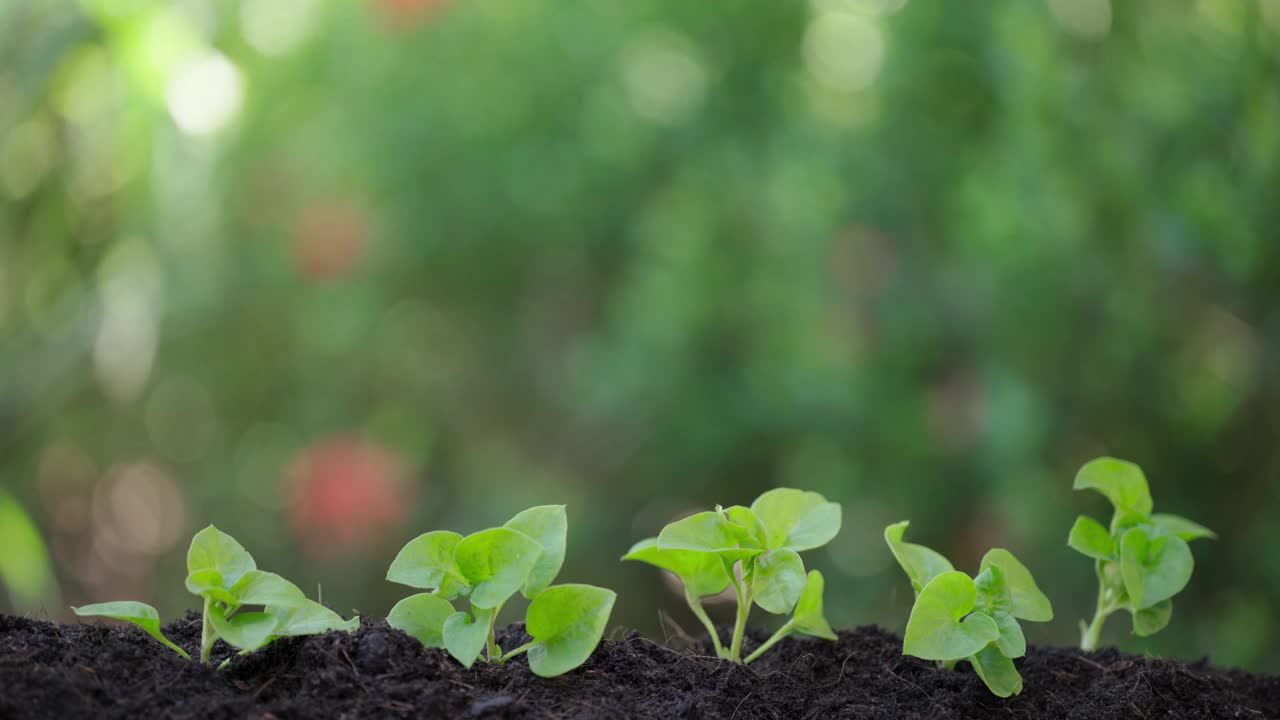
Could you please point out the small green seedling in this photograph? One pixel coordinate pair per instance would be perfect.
(956, 617)
(755, 550)
(488, 567)
(224, 574)
(1143, 560)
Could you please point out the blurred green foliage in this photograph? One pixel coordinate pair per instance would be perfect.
(329, 274)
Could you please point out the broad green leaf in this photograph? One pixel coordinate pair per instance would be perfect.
(938, 628)
(566, 623)
(1011, 641)
(777, 580)
(496, 563)
(993, 594)
(746, 526)
(212, 549)
(1186, 529)
(1119, 481)
(258, 587)
(140, 614)
(702, 573)
(549, 525)
(1154, 569)
(465, 637)
(1152, 620)
(808, 618)
(208, 583)
(920, 563)
(705, 532)
(1026, 600)
(1089, 537)
(426, 562)
(997, 671)
(309, 618)
(422, 616)
(247, 631)
(796, 519)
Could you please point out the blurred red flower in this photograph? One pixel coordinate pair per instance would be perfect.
(404, 15)
(344, 494)
(329, 239)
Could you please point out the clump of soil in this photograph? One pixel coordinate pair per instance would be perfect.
(63, 672)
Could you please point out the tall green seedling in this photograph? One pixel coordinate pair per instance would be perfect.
(957, 617)
(223, 574)
(487, 568)
(1142, 560)
(756, 551)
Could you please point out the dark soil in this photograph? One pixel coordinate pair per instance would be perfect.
(89, 671)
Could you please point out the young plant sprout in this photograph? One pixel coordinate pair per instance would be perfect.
(1143, 560)
(705, 551)
(488, 567)
(223, 573)
(956, 617)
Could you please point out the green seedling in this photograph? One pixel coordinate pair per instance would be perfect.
(488, 567)
(1143, 560)
(224, 575)
(956, 617)
(755, 550)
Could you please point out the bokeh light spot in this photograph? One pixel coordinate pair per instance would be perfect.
(664, 79)
(206, 93)
(844, 51)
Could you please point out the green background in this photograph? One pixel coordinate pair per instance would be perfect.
(332, 274)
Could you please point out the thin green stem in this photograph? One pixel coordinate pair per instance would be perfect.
(947, 664)
(517, 651)
(1092, 632)
(783, 631)
(207, 635)
(740, 625)
(493, 651)
(696, 606)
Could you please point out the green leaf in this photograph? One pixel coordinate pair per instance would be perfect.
(1011, 641)
(1154, 569)
(566, 623)
(258, 587)
(208, 583)
(706, 532)
(808, 618)
(422, 616)
(1026, 600)
(247, 631)
(796, 519)
(496, 563)
(427, 562)
(702, 573)
(938, 628)
(920, 563)
(997, 671)
(1089, 537)
(1186, 529)
(465, 637)
(1120, 481)
(212, 549)
(746, 526)
(993, 593)
(777, 580)
(1152, 620)
(140, 614)
(309, 618)
(549, 525)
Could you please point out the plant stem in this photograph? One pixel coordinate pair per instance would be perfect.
(740, 626)
(947, 664)
(696, 606)
(517, 651)
(493, 652)
(783, 631)
(207, 635)
(1089, 637)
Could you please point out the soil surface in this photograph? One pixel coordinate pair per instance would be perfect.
(65, 672)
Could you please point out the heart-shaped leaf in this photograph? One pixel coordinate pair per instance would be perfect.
(549, 525)
(1154, 569)
(140, 614)
(423, 616)
(1182, 527)
(496, 563)
(427, 562)
(796, 519)
(1119, 481)
(212, 549)
(920, 563)
(997, 671)
(246, 631)
(465, 637)
(310, 618)
(1011, 641)
(706, 532)
(1152, 620)
(776, 580)
(1026, 600)
(258, 587)
(1090, 538)
(566, 623)
(702, 573)
(809, 618)
(938, 628)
